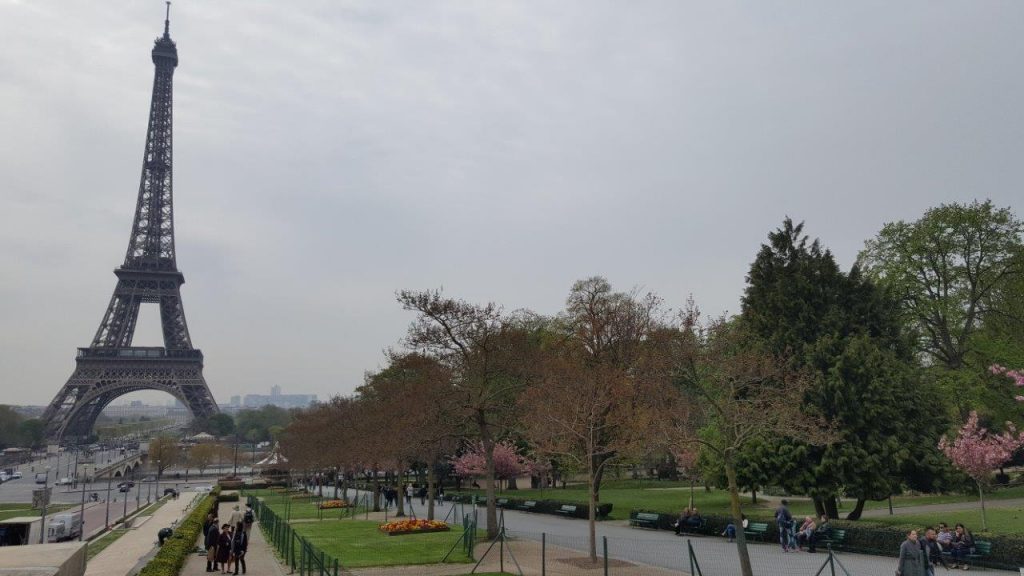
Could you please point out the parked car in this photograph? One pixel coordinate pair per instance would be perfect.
(16, 475)
(4, 477)
(65, 481)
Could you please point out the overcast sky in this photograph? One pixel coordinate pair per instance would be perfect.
(330, 153)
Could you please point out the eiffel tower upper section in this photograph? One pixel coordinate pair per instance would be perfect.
(150, 271)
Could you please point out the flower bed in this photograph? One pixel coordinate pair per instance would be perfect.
(329, 504)
(413, 527)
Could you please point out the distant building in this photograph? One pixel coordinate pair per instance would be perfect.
(277, 399)
(236, 400)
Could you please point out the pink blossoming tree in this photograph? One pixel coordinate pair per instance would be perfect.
(978, 452)
(1016, 375)
(507, 462)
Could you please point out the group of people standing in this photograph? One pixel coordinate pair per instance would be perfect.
(227, 544)
(808, 533)
(392, 494)
(920, 555)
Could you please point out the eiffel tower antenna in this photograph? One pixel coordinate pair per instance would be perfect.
(112, 366)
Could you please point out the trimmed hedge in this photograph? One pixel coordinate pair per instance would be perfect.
(232, 497)
(542, 507)
(172, 555)
(865, 537)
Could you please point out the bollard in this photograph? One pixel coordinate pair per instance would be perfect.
(604, 540)
(543, 554)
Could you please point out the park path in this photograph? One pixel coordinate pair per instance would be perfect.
(122, 557)
(259, 558)
(928, 509)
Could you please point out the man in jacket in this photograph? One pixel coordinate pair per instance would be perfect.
(212, 537)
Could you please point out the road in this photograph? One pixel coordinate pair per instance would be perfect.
(661, 548)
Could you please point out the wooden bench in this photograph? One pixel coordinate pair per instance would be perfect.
(502, 502)
(528, 505)
(756, 530)
(834, 539)
(567, 509)
(645, 520)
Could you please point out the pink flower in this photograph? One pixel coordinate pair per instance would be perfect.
(977, 452)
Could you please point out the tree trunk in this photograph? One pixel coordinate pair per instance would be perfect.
(830, 507)
(592, 504)
(510, 484)
(858, 509)
(984, 523)
(819, 506)
(737, 519)
(431, 483)
(492, 508)
(400, 507)
(376, 492)
(753, 497)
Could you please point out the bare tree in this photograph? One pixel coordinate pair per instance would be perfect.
(727, 384)
(595, 395)
(488, 356)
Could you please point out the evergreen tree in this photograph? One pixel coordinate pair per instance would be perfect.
(846, 332)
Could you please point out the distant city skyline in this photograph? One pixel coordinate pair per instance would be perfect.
(329, 154)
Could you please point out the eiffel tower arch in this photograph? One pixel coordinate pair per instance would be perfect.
(111, 367)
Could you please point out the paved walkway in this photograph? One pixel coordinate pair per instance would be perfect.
(259, 559)
(122, 557)
(928, 509)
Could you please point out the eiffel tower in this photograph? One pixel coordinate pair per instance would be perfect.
(111, 367)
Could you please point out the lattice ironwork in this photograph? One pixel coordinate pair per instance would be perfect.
(111, 367)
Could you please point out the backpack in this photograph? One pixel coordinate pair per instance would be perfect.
(248, 517)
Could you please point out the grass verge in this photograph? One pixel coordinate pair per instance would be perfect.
(359, 544)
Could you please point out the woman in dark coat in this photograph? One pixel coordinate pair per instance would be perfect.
(224, 548)
(911, 557)
(239, 546)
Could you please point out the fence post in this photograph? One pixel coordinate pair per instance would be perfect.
(831, 561)
(543, 553)
(323, 562)
(501, 550)
(604, 540)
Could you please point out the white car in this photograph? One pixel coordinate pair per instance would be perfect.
(16, 475)
(64, 481)
(4, 477)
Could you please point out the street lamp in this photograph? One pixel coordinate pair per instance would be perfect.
(46, 484)
(157, 495)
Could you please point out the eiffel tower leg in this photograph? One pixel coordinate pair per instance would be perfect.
(97, 382)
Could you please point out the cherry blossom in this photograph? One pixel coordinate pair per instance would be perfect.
(1016, 375)
(507, 462)
(978, 452)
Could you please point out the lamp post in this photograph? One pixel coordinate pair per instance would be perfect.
(81, 510)
(46, 499)
(138, 491)
(157, 495)
(107, 521)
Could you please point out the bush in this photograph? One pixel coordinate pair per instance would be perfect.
(171, 556)
(232, 497)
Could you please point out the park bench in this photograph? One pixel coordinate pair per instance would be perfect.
(756, 530)
(528, 505)
(835, 538)
(567, 509)
(982, 548)
(698, 528)
(645, 520)
(502, 502)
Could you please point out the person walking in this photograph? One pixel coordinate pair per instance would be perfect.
(236, 517)
(932, 552)
(239, 546)
(784, 522)
(248, 519)
(911, 562)
(408, 494)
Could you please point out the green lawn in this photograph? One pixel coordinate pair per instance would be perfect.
(671, 497)
(16, 510)
(1000, 520)
(304, 508)
(101, 543)
(358, 544)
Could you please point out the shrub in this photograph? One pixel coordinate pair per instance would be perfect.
(231, 497)
(171, 556)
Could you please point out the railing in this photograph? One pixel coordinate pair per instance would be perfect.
(138, 352)
(296, 551)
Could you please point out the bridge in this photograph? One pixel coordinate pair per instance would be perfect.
(120, 468)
